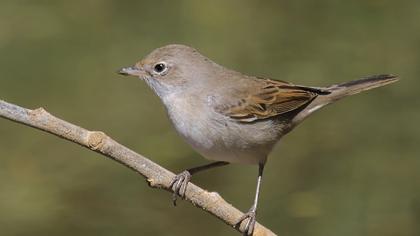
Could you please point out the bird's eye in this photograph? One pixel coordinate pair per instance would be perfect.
(160, 67)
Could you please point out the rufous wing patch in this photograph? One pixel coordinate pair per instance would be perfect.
(271, 99)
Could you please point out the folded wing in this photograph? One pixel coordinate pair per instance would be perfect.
(270, 98)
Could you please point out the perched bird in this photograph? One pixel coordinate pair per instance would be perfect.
(229, 117)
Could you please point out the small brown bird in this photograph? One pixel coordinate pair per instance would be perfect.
(229, 117)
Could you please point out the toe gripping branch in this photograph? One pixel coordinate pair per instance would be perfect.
(179, 185)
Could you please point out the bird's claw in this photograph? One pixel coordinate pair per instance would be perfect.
(250, 224)
(179, 185)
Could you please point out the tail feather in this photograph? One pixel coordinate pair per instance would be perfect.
(356, 86)
(335, 92)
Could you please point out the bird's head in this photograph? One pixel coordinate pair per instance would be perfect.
(172, 68)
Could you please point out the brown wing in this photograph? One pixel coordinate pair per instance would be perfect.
(271, 98)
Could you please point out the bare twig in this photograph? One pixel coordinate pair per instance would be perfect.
(157, 176)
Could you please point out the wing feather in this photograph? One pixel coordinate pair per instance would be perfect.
(271, 98)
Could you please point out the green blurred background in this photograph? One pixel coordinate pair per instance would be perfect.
(351, 169)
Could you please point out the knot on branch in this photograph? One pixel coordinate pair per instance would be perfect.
(158, 182)
(36, 112)
(96, 139)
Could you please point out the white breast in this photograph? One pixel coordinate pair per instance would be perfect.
(215, 136)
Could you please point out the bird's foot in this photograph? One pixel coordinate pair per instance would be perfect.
(250, 225)
(179, 185)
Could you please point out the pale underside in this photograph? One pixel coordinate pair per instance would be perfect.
(243, 130)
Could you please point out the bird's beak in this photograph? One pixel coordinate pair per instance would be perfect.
(132, 70)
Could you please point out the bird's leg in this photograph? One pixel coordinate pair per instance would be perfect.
(251, 214)
(180, 182)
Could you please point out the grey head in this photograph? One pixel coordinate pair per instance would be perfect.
(174, 68)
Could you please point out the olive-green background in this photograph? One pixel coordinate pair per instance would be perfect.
(351, 169)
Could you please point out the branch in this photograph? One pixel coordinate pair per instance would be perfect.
(157, 176)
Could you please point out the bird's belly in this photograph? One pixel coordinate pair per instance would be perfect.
(221, 148)
(224, 140)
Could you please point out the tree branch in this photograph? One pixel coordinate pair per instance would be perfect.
(157, 176)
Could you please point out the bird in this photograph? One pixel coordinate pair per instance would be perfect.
(229, 117)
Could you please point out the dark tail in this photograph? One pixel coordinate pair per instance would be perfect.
(339, 91)
(335, 92)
